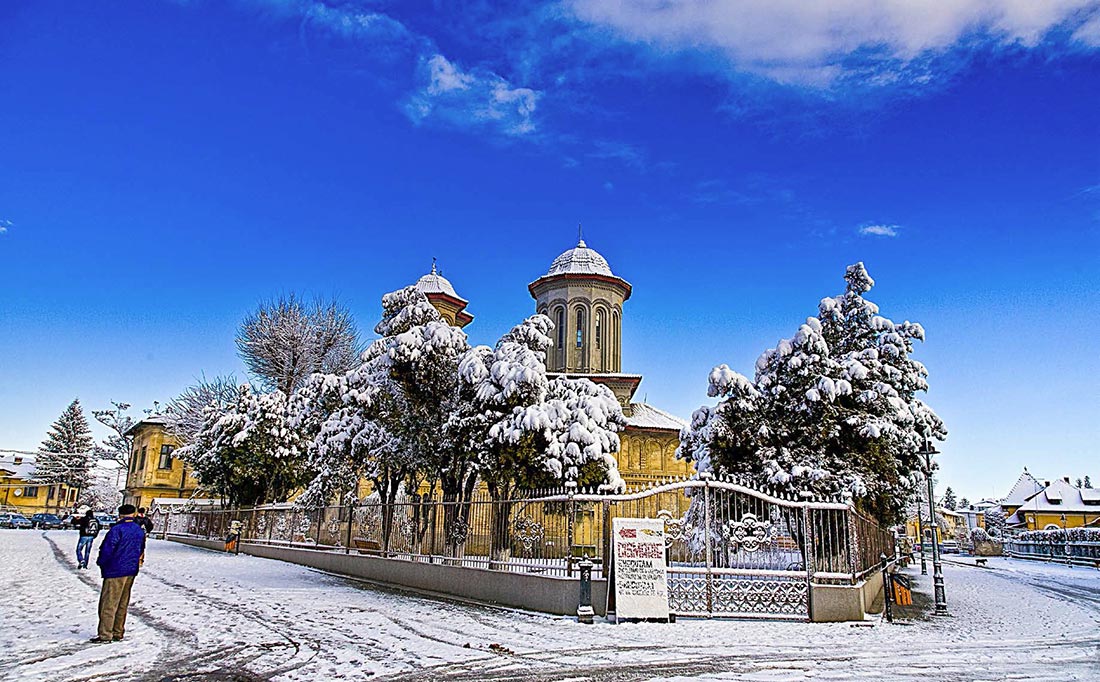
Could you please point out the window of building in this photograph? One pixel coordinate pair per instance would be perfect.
(165, 457)
(599, 330)
(49, 493)
(30, 491)
(141, 464)
(580, 328)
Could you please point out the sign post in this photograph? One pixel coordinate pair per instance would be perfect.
(641, 575)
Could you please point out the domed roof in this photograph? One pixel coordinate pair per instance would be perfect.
(435, 283)
(580, 260)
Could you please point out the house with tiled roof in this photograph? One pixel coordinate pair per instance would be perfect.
(1058, 504)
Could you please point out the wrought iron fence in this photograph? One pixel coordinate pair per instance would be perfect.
(719, 532)
(1054, 549)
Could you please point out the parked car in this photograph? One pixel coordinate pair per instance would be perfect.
(67, 522)
(14, 521)
(106, 520)
(949, 547)
(46, 521)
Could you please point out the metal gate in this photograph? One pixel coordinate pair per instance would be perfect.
(738, 552)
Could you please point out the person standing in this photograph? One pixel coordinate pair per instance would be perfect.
(120, 557)
(145, 522)
(88, 525)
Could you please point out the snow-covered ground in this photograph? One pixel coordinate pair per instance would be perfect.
(244, 618)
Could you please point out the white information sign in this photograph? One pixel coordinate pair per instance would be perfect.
(641, 576)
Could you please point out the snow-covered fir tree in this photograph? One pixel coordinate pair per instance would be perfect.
(1088, 483)
(68, 452)
(964, 503)
(995, 522)
(285, 341)
(831, 410)
(949, 501)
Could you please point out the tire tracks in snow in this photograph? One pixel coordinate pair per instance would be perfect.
(180, 657)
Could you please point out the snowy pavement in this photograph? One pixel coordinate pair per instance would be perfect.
(201, 615)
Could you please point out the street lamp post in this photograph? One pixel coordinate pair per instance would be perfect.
(937, 567)
(920, 536)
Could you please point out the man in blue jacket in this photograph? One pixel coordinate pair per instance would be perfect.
(120, 557)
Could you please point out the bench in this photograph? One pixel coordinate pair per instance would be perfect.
(980, 561)
(366, 546)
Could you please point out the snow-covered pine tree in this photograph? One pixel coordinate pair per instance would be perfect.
(995, 522)
(1088, 483)
(964, 503)
(1080, 483)
(832, 410)
(67, 454)
(285, 341)
(949, 501)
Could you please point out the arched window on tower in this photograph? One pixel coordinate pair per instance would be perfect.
(580, 327)
(600, 330)
(560, 322)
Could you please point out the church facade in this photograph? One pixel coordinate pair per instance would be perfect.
(585, 299)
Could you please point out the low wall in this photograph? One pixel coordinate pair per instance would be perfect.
(838, 603)
(547, 594)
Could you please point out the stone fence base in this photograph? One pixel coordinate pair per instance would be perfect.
(546, 594)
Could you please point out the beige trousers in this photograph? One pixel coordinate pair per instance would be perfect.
(114, 600)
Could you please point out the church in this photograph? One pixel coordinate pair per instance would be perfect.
(585, 298)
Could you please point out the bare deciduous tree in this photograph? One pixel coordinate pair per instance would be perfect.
(285, 341)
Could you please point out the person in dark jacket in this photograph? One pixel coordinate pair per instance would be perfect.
(120, 557)
(145, 522)
(88, 525)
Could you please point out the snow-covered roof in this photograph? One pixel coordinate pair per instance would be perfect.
(1090, 495)
(1059, 497)
(648, 417)
(580, 260)
(24, 470)
(435, 283)
(1026, 487)
(151, 420)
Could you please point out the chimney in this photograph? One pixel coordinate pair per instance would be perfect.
(1066, 479)
(19, 459)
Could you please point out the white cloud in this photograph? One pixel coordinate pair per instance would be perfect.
(4, 225)
(879, 230)
(1089, 32)
(818, 43)
(474, 98)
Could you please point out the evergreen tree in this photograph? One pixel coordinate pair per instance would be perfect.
(67, 453)
(949, 501)
(832, 410)
(1088, 483)
(964, 503)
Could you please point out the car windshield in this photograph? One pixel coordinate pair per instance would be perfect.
(19, 517)
(49, 517)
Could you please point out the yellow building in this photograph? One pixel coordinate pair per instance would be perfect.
(1058, 504)
(948, 523)
(154, 472)
(20, 492)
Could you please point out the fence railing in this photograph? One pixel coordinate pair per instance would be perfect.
(1073, 551)
(713, 526)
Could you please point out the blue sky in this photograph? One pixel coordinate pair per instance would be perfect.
(166, 165)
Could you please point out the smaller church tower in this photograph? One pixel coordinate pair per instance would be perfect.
(443, 298)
